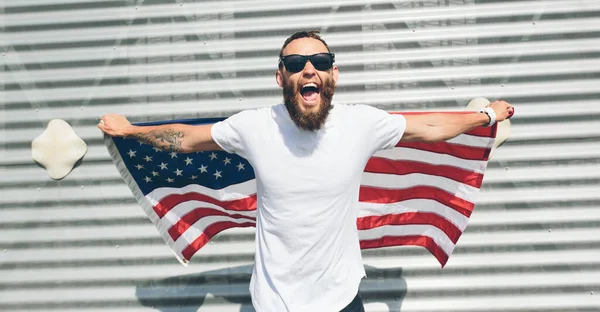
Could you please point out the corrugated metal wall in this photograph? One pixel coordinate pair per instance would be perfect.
(83, 244)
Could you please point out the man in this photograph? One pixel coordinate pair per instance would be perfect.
(307, 248)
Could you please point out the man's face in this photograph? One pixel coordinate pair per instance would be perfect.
(307, 94)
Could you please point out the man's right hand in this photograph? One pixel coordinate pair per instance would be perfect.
(115, 125)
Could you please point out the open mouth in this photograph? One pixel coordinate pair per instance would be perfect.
(310, 92)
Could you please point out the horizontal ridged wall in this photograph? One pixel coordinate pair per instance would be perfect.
(83, 243)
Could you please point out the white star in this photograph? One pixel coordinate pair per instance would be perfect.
(217, 174)
(141, 143)
(213, 156)
(148, 158)
(154, 174)
(170, 180)
(227, 161)
(163, 166)
(156, 149)
(148, 179)
(188, 161)
(194, 177)
(203, 169)
(139, 167)
(173, 155)
(178, 172)
(131, 153)
(240, 167)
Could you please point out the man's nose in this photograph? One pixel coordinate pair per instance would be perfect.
(309, 69)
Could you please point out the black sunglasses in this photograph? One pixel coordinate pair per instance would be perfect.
(295, 63)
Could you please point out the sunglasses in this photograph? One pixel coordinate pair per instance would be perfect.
(295, 63)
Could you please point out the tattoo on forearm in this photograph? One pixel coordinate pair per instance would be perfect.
(164, 139)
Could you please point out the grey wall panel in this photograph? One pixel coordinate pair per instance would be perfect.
(83, 243)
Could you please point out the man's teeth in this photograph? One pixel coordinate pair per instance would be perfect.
(310, 84)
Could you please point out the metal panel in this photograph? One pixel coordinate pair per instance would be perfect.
(83, 244)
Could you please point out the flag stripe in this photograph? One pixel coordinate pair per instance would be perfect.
(460, 151)
(229, 193)
(423, 218)
(175, 214)
(209, 232)
(404, 167)
(401, 153)
(399, 183)
(170, 201)
(414, 205)
(386, 196)
(416, 240)
(199, 228)
(472, 140)
(438, 236)
(193, 216)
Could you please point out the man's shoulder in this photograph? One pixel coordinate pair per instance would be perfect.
(252, 114)
(361, 110)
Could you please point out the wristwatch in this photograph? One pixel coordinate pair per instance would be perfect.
(491, 114)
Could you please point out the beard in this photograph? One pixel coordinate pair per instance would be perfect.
(309, 121)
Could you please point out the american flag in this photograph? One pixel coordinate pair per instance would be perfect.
(419, 194)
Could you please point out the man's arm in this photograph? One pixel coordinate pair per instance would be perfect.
(442, 127)
(173, 137)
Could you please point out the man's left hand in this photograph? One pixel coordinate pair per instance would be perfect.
(503, 110)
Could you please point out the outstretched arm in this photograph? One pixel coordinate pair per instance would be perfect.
(442, 127)
(173, 137)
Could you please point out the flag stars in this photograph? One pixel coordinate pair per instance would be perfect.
(178, 172)
(217, 174)
(194, 177)
(213, 156)
(227, 161)
(203, 169)
(170, 180)
(173, 155)
(188, 161)
(156, 149)
(148, 158)
(240, 167)
(148, 179)
(131, 153)
(163, 166)
(139, 167)
(154, 174)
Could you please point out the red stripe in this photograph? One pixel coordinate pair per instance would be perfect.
(193, 216)
(208, 233)
(402, 167)
(422, 241)
(420, 218)
(456, 150)
(489, 132)
(170, 201)
(387, 196)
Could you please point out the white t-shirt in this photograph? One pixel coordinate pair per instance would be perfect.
(307, 249)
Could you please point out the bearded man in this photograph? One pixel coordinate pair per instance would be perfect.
(308, 156)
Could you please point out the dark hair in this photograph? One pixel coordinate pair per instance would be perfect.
(314, 34)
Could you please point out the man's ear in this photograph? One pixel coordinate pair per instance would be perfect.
(335, 72)
(279, 78)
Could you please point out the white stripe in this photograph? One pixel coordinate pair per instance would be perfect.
(197, 229)
(232, 192)
(393, 181)
(472, 140)
(182, 209)
(411, 154)
(438, 236)
(414, 205)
